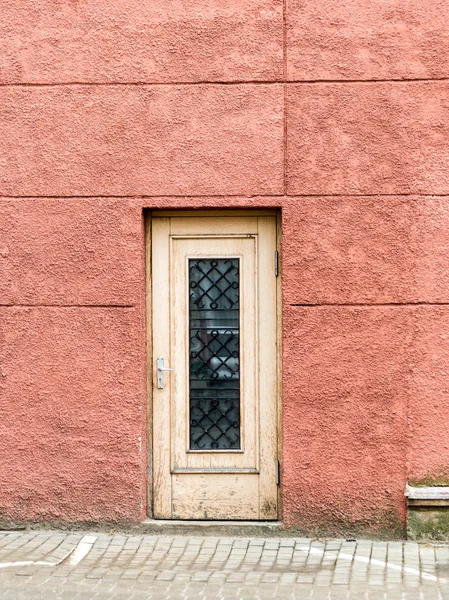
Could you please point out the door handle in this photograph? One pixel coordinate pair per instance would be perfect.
(160, 373)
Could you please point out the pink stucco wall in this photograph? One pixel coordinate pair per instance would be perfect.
(335, 113)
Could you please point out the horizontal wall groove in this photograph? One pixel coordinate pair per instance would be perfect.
(141, 83)
(101, 306)
(145, 197)
(352, 81)
(218, 196)
(367, 195)
(221, 83)
(368, 304)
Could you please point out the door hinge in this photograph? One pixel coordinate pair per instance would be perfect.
(276, 263)
(278, 472)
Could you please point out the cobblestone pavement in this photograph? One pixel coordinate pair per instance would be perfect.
(47, 565)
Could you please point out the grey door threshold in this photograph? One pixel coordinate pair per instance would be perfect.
(222, 528)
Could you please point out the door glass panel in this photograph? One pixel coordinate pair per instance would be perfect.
(214, 353)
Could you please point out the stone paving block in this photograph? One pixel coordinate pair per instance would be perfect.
(271, 580)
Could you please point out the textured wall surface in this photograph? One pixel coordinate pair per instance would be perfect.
(129, 41)
(367, 39)
(364, 138)
(336, 114)
(129, 140)
(346, 416)
(72, 398)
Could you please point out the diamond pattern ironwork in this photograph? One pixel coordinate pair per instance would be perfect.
(215, 424)
(214, 354)
(214, 284)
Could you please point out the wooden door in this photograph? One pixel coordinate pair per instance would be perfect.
(214, 323)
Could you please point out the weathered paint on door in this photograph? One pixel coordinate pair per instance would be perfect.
(215, 415)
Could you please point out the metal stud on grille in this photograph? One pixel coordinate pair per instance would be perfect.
(214, 354)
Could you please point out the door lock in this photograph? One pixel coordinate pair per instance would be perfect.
(160, 373)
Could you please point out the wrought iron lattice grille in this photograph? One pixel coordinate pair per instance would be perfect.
(214, 321)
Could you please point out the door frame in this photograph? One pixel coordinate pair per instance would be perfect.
(149, 216)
